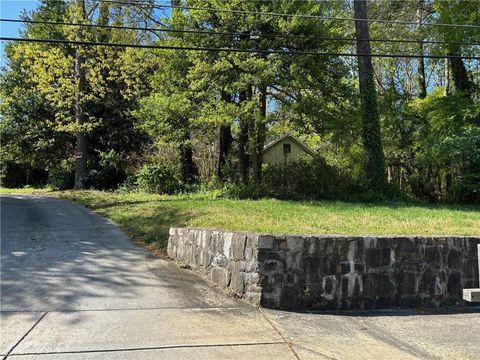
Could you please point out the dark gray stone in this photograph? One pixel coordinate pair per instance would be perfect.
(454, 259)
(427, 282)
(345, 266)
(329, 285)
(377, 257)
(378, 285)
(433, 255)
(265, 242)
(269, 266)
(295, 243)
(455, 284)
(282, 243)
(405, 283)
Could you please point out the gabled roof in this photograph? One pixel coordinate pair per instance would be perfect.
(293, 139)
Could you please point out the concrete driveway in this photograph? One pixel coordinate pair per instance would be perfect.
(73, 286)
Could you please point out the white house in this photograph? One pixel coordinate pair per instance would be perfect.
(286, 149)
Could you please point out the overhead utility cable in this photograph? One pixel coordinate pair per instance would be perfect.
(250, 35)
(238, 50)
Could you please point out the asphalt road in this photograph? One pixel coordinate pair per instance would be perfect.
(73, 286)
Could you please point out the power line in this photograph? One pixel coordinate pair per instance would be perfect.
(252, 36)
(239, 50)
(277, 14)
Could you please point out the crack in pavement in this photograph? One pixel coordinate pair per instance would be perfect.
(126, 309)
(26, 334)
(285, 338)
(390, 340)
(151, 348)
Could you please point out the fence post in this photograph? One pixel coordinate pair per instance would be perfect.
(473, 295)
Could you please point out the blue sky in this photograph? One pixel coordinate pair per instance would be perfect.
(11, 9)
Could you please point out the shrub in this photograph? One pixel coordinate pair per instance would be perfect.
(157, 178)
(14, 175)
(62, 176)
(129, 185)
(108, 174)
(466, 190)
(389, 193)
(305, 179)
(104, 178)
(243, 191)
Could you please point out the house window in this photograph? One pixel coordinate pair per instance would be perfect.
(287, 148)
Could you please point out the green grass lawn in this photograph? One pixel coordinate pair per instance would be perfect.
(148, 217)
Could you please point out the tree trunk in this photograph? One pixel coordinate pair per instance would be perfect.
(189, 170)
(82, 145)
(448, 180)
(422, 85)
(372, 141)
(226, 140)
(259, 136)
(447, 77)
(103, 19)
(225, 143)
(225, 146)
(459, 72)
(243, 142)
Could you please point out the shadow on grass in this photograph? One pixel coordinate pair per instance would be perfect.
(389, 205)
(94, 202)
(150, 229)
(107, 205)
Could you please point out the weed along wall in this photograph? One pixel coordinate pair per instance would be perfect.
(331, 272)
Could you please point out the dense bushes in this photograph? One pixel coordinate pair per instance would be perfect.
(312, 179)
(107, 173)
(62, 175)
(18, 175)
(157, 178)
(466, 189)
(106, 178)
(304, 179)
(433, 147)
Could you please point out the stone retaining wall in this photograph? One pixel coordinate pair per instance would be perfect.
(228, 259)
(331, 272)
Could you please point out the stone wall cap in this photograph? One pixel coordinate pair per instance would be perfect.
(329, 236)
(220, 230)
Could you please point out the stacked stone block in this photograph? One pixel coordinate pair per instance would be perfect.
(225, 258)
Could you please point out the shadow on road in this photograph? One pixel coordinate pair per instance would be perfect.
(56, 255)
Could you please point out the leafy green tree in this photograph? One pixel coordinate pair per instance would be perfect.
(262, 84)
(458, 12)
(167, 114)
(98, 112)
(372, 141)
(445, 139)
(32, 129)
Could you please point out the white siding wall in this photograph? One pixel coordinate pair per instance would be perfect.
(274, 155)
